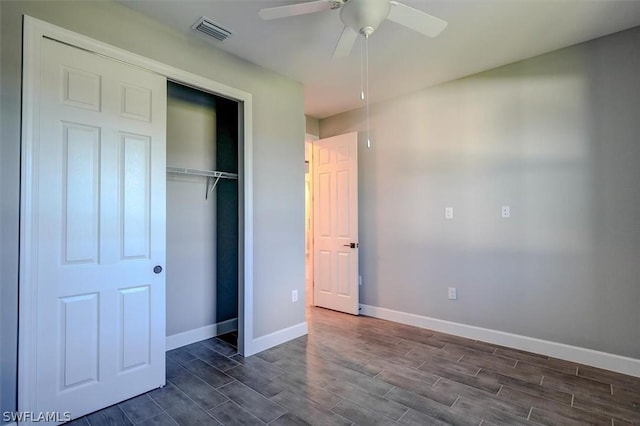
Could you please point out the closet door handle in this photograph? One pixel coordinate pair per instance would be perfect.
(157, 269)
(352, 245)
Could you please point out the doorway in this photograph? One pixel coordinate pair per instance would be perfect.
(202, 216)
(83, 153)
(335, 246)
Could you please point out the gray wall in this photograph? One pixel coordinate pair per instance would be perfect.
(279, 127)
(9, 171)
(191, 219)
(227, 211)
(312, 126)
(556, 138)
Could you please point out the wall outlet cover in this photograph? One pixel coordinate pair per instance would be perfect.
(453, 293)
(505, 212)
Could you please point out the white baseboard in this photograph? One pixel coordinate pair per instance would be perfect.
(276, 338)
(607, 361)
(186, 338)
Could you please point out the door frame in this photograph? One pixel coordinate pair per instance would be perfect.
(310, 139)
(34, 30)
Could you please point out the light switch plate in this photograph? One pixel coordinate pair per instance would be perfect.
(448, 212)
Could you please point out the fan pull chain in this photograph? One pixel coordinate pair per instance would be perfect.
(361, 69)
(366, 41)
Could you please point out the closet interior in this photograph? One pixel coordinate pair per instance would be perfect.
(202, 215)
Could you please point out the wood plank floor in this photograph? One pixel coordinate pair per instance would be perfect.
(359, 370)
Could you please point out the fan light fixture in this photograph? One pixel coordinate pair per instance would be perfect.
(362, 17)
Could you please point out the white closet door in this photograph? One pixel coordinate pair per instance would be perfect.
(99, 170)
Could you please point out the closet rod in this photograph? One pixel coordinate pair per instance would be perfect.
(206, 173)
(209, 174)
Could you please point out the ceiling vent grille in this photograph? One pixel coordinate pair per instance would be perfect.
(211, 29)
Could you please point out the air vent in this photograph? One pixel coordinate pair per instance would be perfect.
(210, 28)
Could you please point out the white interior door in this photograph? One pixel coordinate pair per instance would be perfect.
(335, 215)
(99, 185)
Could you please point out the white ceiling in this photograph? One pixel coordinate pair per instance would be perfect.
(482, 34)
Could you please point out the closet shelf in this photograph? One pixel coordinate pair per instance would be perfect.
(211, 175)
(206, 173)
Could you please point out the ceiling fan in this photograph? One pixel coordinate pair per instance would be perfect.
(361, 17)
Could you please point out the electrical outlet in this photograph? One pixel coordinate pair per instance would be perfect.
(294, 296)
(453, 293)
(448, 212)
(359, 279)
(505, 212)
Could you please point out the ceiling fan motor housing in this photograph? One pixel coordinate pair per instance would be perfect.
(364, 16)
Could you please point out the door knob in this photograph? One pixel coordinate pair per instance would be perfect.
(157, 269)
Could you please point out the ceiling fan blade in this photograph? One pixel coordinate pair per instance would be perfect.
(416, 20)
(297, 9)
(345, 43)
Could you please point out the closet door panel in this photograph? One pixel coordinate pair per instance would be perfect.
(135, 191)
(97, 231)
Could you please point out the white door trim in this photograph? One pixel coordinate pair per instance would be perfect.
(34, 31)
(310, 139)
